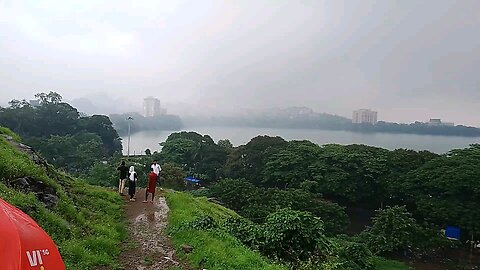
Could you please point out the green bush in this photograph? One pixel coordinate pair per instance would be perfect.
(293, 235)
(393, 229)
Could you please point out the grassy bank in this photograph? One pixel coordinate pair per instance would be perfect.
(384, 264)
(85, 222)
(212, 248)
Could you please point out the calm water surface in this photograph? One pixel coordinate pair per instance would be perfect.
(241, 135)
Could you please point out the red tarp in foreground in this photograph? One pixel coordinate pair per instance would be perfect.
(23, 244)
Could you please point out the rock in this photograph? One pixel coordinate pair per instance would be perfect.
(186, 248)
(46, 194)
(48, 199)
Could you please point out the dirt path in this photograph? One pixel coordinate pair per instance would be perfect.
(148, 247)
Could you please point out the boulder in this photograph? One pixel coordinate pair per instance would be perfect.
(46, 194)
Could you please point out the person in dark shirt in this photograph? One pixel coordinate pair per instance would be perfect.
(123, 177)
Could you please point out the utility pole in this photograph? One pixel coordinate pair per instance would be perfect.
(129, 119)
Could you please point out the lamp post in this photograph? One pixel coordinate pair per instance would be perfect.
(129, 119)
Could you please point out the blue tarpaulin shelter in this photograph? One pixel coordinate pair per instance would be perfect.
(452, 232)
(191, 179)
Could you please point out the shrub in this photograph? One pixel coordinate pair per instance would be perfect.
(293, 235)
(393, 229)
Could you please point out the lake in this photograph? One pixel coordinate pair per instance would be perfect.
(242, 135)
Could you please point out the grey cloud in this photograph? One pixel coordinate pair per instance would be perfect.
(410, 60)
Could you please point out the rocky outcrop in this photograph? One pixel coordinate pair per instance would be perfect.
(44, 193)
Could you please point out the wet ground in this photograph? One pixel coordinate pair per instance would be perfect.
(148, 247)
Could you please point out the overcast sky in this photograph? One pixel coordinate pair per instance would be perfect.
(410, 60)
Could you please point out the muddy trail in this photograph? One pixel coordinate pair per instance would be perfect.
(148, 247)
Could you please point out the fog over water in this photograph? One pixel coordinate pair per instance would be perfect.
(409, 60)
(439, 144)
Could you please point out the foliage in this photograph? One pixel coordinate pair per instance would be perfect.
(445, 190)
(293, 235)
(102, 175)
(384, 264)
(8, 132)
(75, 153)
(85, 223)
(248, 161)
(213, 248)
(352, 255)
(226, 143)
(256, 203)
(195, 153)
(60, 133)
(172, 176)
(393, 229)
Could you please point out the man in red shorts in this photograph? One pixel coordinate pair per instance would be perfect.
(152, 184)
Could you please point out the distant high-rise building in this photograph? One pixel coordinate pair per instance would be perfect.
(439, 122)
(364, 116)
(151, 107)
(34, 102)
(435, 122)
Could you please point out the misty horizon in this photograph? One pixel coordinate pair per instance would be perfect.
(410, 61)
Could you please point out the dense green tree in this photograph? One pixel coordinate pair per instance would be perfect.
(445, 190)
(292, 235)
(225, 144)
(195, 153)
(256, 203)
(248, 161)
(59, 132)
(291, 165)
(173, 176)
(393, 229)
(102, 126)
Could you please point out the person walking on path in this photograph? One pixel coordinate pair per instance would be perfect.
(152, 184)
(156, 169)
(123, 177)
(132, 179)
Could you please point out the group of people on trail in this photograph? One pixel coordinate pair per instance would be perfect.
(129, 174)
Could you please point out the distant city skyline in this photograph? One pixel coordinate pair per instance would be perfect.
(105, 104)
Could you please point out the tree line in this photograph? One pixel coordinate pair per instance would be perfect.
(67, 138)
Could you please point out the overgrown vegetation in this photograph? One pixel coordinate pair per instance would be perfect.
(213, 247)
(420, 192)
(221, 239)
(84, 221)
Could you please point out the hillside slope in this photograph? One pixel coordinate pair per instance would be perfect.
(84, 221)
(213, 247)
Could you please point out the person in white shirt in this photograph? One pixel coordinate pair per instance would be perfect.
(157, 169)
(132, 183)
